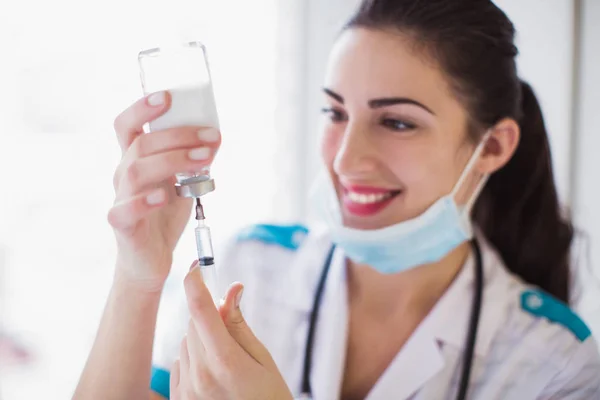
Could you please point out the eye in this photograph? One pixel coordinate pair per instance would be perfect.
(398, 125)
(334, 115)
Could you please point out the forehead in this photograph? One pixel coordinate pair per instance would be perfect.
(373, 63)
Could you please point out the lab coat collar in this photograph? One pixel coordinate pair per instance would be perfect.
(331, 341)
(448, 319)
(419, 360)
(307, 265)
(451, 317)
(421, 357)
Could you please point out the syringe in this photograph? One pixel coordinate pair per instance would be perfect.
(183, 70)
(206, 258)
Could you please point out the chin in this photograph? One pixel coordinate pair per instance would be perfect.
(359, 223)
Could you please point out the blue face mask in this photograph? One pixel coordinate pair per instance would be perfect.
(425, 239)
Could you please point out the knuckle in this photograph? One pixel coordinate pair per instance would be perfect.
(139, 145)
(132, 173)
(112, 218)
(224, 361)
(121, 122)
(117, 178)
(190, 393)
(199, 306)
(170, 162)
(203, 380)
(200, 371)
(237, 326)
(177, 158)
(127, 119)
(116, 220)
(237, 323)
(118, 123)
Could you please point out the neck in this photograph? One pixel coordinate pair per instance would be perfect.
(415, 291)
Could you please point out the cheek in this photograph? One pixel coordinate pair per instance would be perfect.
(329, 146)
(423, 171)
(409, 162)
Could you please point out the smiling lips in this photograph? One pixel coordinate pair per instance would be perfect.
(365, 201)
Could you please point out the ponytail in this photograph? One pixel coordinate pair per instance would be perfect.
(519, 210)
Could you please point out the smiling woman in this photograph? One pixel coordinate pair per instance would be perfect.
(369, 200)
(444, 259)
(443, 269)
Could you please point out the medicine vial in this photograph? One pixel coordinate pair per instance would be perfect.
(183, 70)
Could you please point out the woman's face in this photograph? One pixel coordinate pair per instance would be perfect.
(394, 136)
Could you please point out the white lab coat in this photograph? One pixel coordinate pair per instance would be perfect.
(520, 353)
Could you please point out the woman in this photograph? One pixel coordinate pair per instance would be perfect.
(420, 298)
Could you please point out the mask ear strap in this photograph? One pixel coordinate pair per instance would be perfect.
(474, 158)
(476, 193)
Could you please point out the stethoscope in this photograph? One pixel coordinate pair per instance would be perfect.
(470, 340)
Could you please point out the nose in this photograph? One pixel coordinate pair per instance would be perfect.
(356, 156)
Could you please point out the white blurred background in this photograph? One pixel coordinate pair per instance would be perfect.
(69, 67)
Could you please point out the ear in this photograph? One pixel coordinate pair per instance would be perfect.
(500, 146)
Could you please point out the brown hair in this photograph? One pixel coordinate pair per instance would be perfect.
(518, 210)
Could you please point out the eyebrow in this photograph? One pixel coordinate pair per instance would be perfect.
(383, 102)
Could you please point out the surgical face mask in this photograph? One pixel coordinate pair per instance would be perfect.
(422, 240)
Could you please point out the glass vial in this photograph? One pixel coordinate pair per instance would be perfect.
(183, 71)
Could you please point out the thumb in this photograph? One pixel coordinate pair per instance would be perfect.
(239, 329)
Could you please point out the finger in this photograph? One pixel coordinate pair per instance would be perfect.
(195, 347)
(184, 366)
(206, 318)
(193, 376)
(199, 368)
(184, 358)
(174, 379)
(175, 138)
(239, 329)
(180, 138)
(153, 170)
(126, 214)
(130, 123)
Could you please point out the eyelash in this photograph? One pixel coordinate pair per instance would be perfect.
(392, 123)
(334, 115)
(337, 116)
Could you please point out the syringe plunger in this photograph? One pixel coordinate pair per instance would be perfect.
(206, 259)
(204, 244)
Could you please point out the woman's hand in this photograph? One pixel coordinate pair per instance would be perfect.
(148, 218)
(220, 357)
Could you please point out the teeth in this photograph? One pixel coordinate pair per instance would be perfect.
(361, 198)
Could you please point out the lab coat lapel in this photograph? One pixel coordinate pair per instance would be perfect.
(417, 363)
(331, 334)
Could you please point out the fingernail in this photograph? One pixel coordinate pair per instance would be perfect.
(238, 298)
(156, 197)
(197, 272)
(194, 265)
(209, 135)
(156, 99)
(201, 153)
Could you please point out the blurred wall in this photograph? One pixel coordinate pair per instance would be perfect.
(586, 160)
